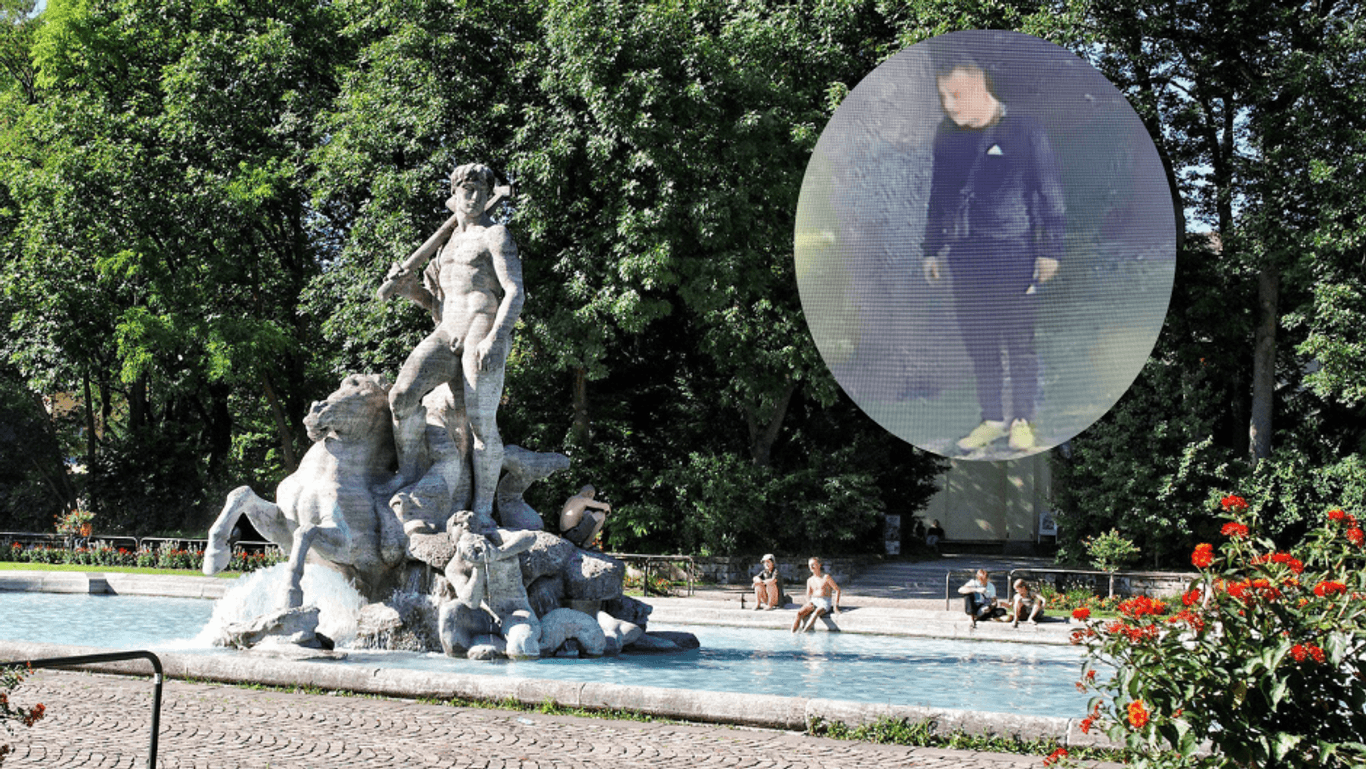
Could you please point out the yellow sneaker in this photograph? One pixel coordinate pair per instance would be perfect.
(983, 435)
(1021, 435)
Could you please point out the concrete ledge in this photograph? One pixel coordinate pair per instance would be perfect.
(114, 583)
(762, 710)
(873, 620)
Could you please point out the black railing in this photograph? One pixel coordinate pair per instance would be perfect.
(647, 564)
(94, 659)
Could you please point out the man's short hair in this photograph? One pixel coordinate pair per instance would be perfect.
(475, 172)
(948, 64)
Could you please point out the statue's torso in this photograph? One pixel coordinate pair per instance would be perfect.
(469, 282)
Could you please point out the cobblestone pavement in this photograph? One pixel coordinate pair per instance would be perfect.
(104, 721)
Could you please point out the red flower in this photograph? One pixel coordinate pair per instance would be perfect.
(1233, 503)
(1327, 588)
(1086, 725)
(1192, 598)
(1234, 529)
(1140, 606)
(1287, 559)
(1337, 515)
(1203, 556)
(1355, 536)
(1298, 652)
(1082, 613)
(1192, 620)
(1316, 653)
(1138, 714)
(1055, 756)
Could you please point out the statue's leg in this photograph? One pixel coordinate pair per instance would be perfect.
(430, 365)
(303, 540)
(483, 390)
(241, 500)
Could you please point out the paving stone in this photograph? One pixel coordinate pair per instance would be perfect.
(103, 721)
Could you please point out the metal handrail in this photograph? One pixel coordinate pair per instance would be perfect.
(690, 571)
(92, 659)
(202, 544)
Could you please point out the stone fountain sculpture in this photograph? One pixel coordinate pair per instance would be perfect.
(409, 492)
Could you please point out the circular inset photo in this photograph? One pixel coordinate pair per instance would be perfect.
(985, 245)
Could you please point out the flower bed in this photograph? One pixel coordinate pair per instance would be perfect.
(1260, 663)
(165, 556)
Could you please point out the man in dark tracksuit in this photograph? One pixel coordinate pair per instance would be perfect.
(997, 217)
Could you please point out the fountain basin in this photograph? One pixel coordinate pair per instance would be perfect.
(1018, 678)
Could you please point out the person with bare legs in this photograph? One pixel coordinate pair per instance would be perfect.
(580, 524)
(1026, 601)
(822, 597)
(768, 591)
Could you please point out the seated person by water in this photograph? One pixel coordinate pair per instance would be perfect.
(979, 598)
(822, 597)
(1027, 603)
(768, 585)
(580, 524)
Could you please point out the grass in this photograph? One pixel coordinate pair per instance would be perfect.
(17, 566)
(921, 734)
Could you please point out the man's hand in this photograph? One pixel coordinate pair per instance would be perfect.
(488, 353)
(1044, 269)
(931, 268)
(404, 281)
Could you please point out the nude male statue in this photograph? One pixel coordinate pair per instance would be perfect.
(473, 289)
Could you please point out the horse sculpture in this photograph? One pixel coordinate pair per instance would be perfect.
(327, 505)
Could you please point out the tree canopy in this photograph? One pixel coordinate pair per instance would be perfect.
(198, 199)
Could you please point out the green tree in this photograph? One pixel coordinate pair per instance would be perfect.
(163, 235)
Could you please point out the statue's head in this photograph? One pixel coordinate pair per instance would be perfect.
(358, 409)
(475, 173)
(471, 188)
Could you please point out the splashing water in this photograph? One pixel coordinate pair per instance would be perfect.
(258, 593)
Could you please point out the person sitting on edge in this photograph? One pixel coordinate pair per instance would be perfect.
(577, 523)
(935, 534)
(822, 596)
(1025, 601)
(768, 590)
(979, 598)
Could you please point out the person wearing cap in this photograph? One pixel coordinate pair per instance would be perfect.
(768, 585)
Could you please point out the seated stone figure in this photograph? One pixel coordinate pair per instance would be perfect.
(327, 504)
(490, 596)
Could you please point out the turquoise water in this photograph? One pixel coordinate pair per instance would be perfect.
(942, 673)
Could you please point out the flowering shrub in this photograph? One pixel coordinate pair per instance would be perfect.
(11, 677)
(75, 523)
(1263, 663)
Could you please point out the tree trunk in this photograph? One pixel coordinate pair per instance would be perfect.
(282, 428)
(582, 427)
(1264, 363)
(761, 440)
(91, 441)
